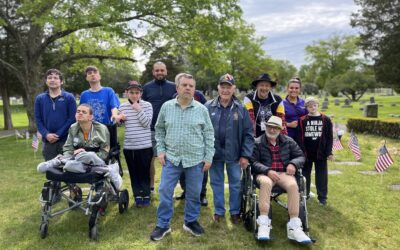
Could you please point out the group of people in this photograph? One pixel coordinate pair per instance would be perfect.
(191, 137)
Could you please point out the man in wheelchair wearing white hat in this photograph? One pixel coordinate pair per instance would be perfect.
(275, 159)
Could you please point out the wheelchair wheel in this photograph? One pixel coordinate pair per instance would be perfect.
(93, 233)
(123, 201)
(43, 230)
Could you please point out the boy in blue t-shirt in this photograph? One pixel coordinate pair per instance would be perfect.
(103, 100)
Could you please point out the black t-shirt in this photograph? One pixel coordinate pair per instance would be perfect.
(312, 135)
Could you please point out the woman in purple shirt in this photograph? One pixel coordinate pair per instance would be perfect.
(294, 106)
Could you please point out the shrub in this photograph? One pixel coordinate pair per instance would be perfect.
(375, 127)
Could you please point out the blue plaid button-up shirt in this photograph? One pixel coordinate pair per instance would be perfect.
(185, 135)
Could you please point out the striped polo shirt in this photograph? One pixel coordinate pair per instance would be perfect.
(137, 125)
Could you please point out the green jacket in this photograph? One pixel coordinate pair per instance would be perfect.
(98, 141)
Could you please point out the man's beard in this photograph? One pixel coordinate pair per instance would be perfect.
(271, 136)
(160, 78)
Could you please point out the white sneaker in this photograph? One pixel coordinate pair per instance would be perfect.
(312, 194)
(295, 232)
(264, 227)
(44, 166)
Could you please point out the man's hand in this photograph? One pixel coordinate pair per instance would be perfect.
(331, 158)
(290, 169)
(243, 162)
(161, 158)
(273, 175)
(120, 117)
(207, 166)
(79, 150)
(51, 137)
(292, 124)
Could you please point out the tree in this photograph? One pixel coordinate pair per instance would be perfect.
(283, 72)
(332, 57)
(169, 55)
(352, 84)
(42, 27)
(379, 21)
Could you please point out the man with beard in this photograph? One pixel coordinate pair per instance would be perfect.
(275, 159)
(185, 144)
(262, 104)
(157, 92)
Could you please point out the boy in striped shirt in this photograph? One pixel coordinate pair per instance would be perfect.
(138, 152)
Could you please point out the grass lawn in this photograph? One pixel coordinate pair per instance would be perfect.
(363, 213)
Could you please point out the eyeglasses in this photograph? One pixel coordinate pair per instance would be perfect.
(78, 111)
(273, 128)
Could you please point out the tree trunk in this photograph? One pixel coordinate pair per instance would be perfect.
(6, 105)
(32, 89)
(353, 96)
(31, 74)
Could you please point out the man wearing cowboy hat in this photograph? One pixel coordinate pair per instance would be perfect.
(262, 104)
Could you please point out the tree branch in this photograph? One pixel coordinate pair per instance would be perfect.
(93, 56)
(66, 32)
(13, 70)
(9, 27)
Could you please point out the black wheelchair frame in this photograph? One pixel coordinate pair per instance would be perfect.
(94, 202)
(249, 210)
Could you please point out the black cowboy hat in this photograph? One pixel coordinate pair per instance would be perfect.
(263, 78)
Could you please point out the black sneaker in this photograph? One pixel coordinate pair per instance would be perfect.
(193, 228)
(159, 233)
(323, 203)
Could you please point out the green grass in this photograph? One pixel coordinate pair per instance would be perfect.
(363, 213)
(18, 116)
(342, 114)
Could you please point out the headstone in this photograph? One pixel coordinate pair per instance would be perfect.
(350, 163)
(337, 102)
(395, 187)
(324, 105)
(347, 104)
(333, 172)
(369, 172)
(371, 110)
(326, 99)
(362, 102)
(372, 99)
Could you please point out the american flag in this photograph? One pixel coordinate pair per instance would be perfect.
(384, 160)
(35, 143)
(354, 146)
(337, 145)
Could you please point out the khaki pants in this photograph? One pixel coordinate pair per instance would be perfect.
(288, 183)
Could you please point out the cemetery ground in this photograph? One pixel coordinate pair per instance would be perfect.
(386, 110)
(362, 211)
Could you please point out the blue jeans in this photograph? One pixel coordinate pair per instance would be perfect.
(217, 184)
(169, 178)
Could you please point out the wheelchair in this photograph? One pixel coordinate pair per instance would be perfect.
(249, 210)
(93, 202)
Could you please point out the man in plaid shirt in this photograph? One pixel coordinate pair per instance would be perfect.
(275, 159)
